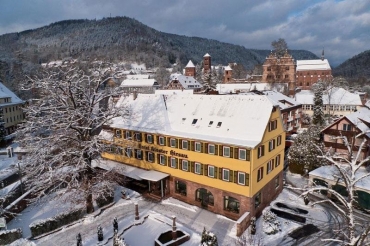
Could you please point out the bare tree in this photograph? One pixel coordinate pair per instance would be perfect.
(350, 171)
(61, 132)
(279, 46)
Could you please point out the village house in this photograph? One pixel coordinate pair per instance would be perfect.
(336, 101)
(183, 82)
(12, 109)
(221, 153)
(141, 83)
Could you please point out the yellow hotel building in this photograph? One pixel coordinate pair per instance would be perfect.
(222, 153)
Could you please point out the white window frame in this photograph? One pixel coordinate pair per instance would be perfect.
(245, 154)
(137, 154)
(149, 137)
(209, 171)
(271, 144)
(129, 152)
(241, 182)
(278, 140)
(226, 148)
(196, 164)
(270, 165)
(161, 141)
(128, 135)
(277, 182)
(118, 132)
(277, 160)
(228, 174)
(185, 163)
(260, 151)
(184, 142)
(200, 147)
(172, 139)
(173, 160)
(214, 149)
(162, 159)
(152, 155)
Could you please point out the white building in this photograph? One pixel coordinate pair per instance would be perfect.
(141, 83)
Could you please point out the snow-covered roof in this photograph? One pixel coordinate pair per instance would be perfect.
(318, 64)
(233, 119)
(188, 82)
(280, 99)
(332, 173)
(228, 68)
(246, 87)
(6, 93)
(206, 55)
(357, 118)
(190, 64)
(334, 96)
(173, 92)
(139, 83)
(138, 76)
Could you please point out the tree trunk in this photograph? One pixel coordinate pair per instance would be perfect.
(89, 204)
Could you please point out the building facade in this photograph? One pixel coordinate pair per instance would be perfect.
(12, 109)
(280, 70)
(221, 153)
(183, 82)
(310, 72)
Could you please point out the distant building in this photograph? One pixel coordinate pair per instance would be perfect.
(235, 88)
(280, 70)
(228, 74)
(12, 109)
(207, 63)
(337, 101)
(310, 72)
(140, 83)
(190, 69)
(183, 82)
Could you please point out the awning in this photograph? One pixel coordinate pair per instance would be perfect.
(129, 171)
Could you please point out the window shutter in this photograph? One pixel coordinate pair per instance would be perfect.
(177, 142)
(236, 153)
(216, 149)
(168, 141)
(158, 159)
(247, 179)
(192, 166)
(164, 141)
(124, 134)
(231, 176)
(192, 145)
(235, 177)
(201, 169)
(221, 151)
(145, 137)
(144, 155)
(180, 164)
(177, 162)
(169, 161)
(157, 140)
(231, 152)
(263, 150)
(206, 170)
(220, 173)
(216, 173)
(206, 148)
(201, 148)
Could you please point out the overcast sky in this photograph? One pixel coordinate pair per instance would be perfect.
(341, 27)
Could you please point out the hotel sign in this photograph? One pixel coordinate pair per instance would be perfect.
(161, 151)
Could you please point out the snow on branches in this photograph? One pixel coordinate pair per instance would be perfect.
(62, 126)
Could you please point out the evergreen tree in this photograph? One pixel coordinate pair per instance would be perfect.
(318, 118)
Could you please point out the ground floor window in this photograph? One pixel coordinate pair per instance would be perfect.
(180, 187)
(257, 200)
(277, 182)
(231, 204)
(204, 196)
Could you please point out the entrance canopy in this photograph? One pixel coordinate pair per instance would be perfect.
(129, 171)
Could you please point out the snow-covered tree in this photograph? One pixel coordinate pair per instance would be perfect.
(208, 238)
(350, 171)
(318, 117)
(280, 46)
(209, 80)
(305, 149)
(270, 223)
(61, 132)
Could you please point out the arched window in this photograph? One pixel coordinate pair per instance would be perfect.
(204, 196)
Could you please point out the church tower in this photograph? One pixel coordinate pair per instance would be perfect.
(206, 63)
(190, 69)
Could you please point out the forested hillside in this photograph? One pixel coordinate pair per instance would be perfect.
(355, 67)
(115, 39)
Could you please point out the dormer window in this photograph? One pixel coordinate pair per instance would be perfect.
(219, 124)
(194, 121)
(210, 123)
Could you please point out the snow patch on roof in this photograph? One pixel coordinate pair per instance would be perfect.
(188, 82)
(333, 96)
(303, 65)
(206, 55)
(190, 64)
(5, 93)
(139, 82)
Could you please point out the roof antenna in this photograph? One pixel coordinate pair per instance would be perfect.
(322, 54)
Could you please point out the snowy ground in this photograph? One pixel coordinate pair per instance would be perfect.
(189, 218)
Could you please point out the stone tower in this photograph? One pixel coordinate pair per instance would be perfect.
(228, 75)
(190, 69)
(207, 63)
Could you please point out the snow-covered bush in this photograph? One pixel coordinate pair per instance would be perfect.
(270, 223)
(9, 236)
